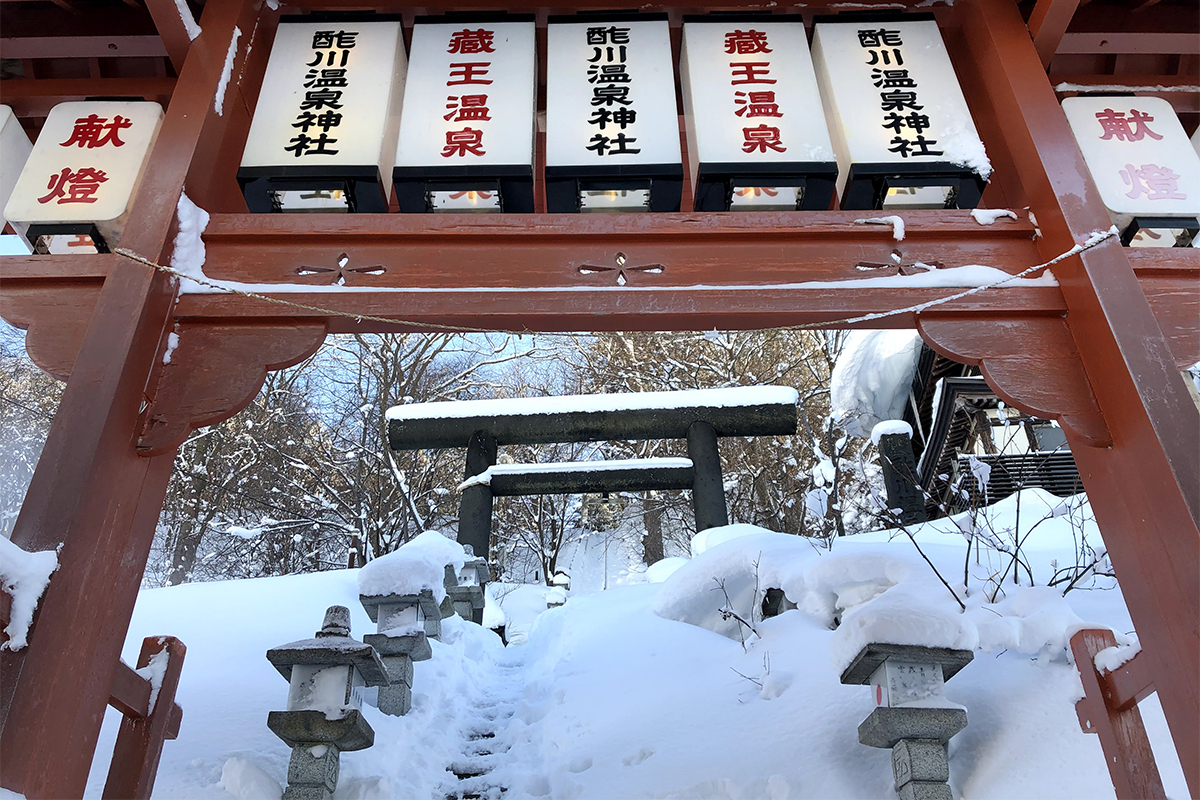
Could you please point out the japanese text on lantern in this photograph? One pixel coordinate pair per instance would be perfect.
(1154, 181)
(898, 93)
(81, 185)
(612, 108)
(750, 103)
(465, 107)
(325, 82)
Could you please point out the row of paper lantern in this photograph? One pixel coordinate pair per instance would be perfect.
(457, 132)
(872, 111)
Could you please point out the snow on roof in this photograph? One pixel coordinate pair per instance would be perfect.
(872, 377)
(485, 478)
(635, 401)
(415, 565)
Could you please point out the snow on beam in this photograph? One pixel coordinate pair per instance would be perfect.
(740, 411)
(585, 477)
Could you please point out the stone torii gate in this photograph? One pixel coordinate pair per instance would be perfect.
(1100, 353)
(699, 417)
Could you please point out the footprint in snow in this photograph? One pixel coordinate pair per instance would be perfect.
(638, 757)
(582, 765)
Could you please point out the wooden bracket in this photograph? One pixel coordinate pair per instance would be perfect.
(1030, 362)
(1116, 719)
(215, 370)
(55, 317)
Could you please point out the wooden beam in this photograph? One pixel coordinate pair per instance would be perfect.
(1122, 733)
(614, 308)
(171, 30)
(92, 493)
(1169, 43)
(130, 692)
(82, 47)
(139, 743)
(656, 250)
(773, 419)
(1048, 23)
(1181, 91)
(598, 481)
(35, 97)
(1129, 684)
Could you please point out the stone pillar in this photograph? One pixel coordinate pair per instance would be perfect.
(395, 699)
(475, 507)
(921, 769)
(708, 487)
(900, 477)
(312, 772)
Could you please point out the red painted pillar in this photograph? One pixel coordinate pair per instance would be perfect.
(1145, 487)
(92, 493)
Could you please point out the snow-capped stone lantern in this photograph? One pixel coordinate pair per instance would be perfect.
(327, 676)
(912, 715)
(464, 588)
(905, 497)
(404, 625)
(560, 584)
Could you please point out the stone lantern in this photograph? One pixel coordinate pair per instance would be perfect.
(464, 588)
(404, 624)
(912, 715)
(560, 584)
(327, 676)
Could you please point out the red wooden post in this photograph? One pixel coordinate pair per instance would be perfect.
(1145, 487)
(140, 740)
(92, 492)
(1122, 734)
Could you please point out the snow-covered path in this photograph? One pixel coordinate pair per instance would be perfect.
(483, 733)
(608, 700)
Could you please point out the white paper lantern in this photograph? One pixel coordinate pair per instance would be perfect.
(757, 138)
(900, 125)
(323, 137)
(1145, 167)
(612, 124)
(78, 183)
(467, 130)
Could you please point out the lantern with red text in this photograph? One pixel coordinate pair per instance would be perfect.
(466, 134)
(1147, 171)
(757, 139)
(74, 193)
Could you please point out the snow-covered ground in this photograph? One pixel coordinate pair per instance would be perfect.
(612, 696)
